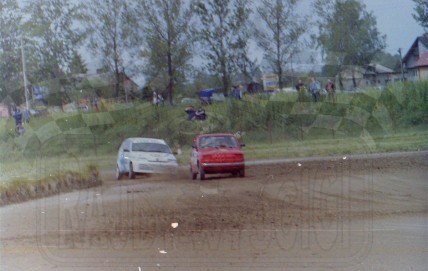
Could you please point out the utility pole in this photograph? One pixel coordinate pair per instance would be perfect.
(24, 71)
(401, 64)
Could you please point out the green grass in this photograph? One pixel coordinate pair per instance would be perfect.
(406, 141)
(12, 183)
(41, 167)
(395, 119)
(32, 170)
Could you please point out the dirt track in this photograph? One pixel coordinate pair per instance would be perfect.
(344, 213)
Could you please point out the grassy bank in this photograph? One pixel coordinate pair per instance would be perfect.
(280, 126)
(20, 188)
(36, 168)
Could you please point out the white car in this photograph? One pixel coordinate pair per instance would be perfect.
(144, 156)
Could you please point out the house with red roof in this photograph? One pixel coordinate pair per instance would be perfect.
(416, 59)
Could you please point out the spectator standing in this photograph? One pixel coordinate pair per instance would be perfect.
(155, 98)
(300, 87)
(160, 99)
(236, 93)
(179, 151)
(17, 115)
(314, 88)
(330, 88)
(95, 101)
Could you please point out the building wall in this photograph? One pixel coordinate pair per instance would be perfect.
(411, 62)
(423, 73)
(348, 83)
(412, 75)
(4, 112)
(387, 78)
(415, 54)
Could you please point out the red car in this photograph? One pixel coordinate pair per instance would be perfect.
(216, 153)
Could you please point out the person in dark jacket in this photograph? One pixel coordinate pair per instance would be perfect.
(330, 88)
(200, 114)
(190, 112)
(17, 115)
(300, 87)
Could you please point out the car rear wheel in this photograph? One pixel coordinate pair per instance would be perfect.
(118, 173)
(131, 173)
(193, 174)
(201, 174)
(241, 173)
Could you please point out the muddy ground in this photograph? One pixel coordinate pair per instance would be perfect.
(340, 213)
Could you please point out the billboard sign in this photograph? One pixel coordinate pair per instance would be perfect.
(270, 82)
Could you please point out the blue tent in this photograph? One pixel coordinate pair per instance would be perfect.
(206, 94)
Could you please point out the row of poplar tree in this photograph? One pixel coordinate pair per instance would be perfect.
(163, 39)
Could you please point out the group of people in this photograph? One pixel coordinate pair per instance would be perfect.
(314, 88)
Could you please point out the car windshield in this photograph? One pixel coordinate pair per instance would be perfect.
(150, 147)
(218, 142)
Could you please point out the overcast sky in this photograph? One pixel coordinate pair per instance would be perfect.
(394, 18)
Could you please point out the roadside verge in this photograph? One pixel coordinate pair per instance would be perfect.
(22, 190)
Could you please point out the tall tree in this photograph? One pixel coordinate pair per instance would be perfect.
(51, 32)
(390, 61)
(10, 57)
(348, 34)
(53, 27)
(280, 33)
(110, 31)
(421, 15)
(220, 22)
(164, 28)
(77, 64)
(245, 65)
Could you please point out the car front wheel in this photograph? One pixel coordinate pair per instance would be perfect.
(131, 173)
